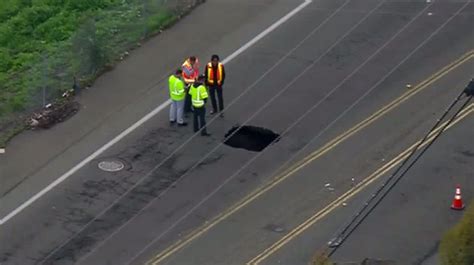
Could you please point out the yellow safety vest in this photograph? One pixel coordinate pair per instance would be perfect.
(198, 95)
(176, 87)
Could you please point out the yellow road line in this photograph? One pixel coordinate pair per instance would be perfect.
(311, 157)
(351, 192)
(433, 78)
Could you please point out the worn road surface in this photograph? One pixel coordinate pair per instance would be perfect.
(331, 80)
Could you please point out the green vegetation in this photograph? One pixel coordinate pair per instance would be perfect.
(457, 245)
(321, 259)
(45, 43)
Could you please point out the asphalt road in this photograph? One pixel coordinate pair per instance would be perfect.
(310, 70)
(407, 225)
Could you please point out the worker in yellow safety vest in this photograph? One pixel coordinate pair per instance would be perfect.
(215, 76)
(190, 69)
(199, 97)
(177, 95)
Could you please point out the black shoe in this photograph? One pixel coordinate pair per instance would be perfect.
(221, 115)
(183, 124)
(205, 134)
(172, 122)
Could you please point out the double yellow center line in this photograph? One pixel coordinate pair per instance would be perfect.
(308, 159)
(353, 191)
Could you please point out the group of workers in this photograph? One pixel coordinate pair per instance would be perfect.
(190, 90)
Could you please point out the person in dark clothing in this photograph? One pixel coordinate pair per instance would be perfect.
(215, 77)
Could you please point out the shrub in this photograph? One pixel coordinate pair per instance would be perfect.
(457, 245)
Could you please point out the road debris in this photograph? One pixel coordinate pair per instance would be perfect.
(54, 113)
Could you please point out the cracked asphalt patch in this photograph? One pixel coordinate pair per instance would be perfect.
(154, 148)
(148, 152)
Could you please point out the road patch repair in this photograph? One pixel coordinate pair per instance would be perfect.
(251, 138)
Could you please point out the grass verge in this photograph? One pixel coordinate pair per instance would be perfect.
(45, 44)
(457, 245)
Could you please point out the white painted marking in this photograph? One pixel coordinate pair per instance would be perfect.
(267, 31)
(2, 150)
(145, 119)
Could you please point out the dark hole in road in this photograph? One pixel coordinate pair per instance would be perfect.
(251, 138)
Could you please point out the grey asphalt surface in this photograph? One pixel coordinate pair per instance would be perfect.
(67, 213)
(356, 158)
(408, 224)
(406, 229)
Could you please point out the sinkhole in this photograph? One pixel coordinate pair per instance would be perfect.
(251, 138)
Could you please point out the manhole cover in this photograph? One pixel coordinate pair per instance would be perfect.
(251, 138)
(111, 165)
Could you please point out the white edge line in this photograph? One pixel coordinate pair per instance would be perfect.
(84, 162)
(144, 119)
(267, 31)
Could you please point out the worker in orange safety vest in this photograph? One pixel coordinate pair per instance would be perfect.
(215, 76)
(190, 69)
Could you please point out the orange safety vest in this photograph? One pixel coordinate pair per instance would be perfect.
(194, 70)
(210, 74)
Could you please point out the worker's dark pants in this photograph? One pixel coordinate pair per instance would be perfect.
(200, 119)
(212, 92)
(187, 101)
(187, 104)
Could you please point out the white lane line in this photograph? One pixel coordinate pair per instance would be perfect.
(147, 117)
(267, 31)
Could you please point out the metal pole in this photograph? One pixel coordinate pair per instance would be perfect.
(45, 78)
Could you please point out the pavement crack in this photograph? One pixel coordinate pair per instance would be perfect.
(211, 159)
